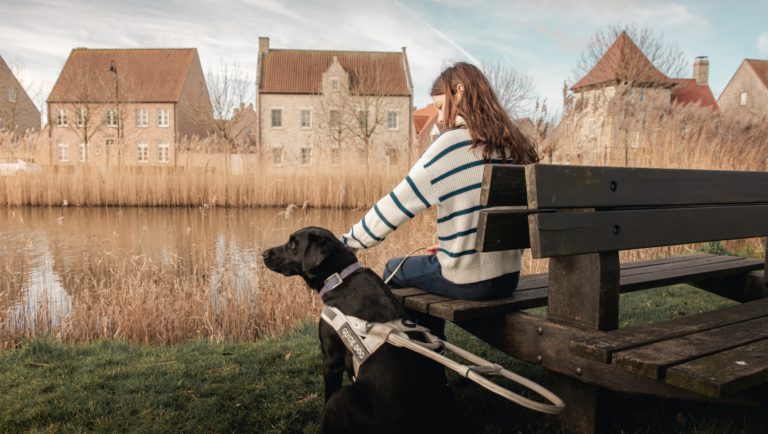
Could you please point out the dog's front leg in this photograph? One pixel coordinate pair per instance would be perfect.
(334, 353)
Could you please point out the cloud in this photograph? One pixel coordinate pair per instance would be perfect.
(762, 44)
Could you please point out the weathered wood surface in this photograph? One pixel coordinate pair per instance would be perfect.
(503, 185)
(724, 373)
(556, 186)
(559, 234)
(533, 290)
(503, 229)
(601, 347)
(652, 360)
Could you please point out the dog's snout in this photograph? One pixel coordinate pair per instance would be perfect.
(266, 253)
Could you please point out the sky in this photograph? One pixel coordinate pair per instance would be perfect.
(543, 38)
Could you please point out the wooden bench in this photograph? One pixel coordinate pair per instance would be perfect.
(580, 218)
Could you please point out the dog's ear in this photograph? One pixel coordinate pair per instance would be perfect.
(317, 249)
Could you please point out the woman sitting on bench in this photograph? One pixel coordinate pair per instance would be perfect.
(449, 175)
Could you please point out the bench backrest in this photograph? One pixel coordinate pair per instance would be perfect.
(567, 210)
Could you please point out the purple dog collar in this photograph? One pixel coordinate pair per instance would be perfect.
(336, 279)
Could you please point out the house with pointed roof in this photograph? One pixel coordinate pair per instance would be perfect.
(746, 94)
(605, 131)
(319, 107)
(127, 107)
(425, 127)
(17, 111)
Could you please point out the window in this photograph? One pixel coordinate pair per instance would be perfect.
(162, 118)
(306, 119)
(277, 118)
(306, 156)
(391, 154)
(143, 153)
(163, 153)
(392, 120)
(335, 84)
(81, 117)
(334, 119)
(11, 94)
(277, 155)
(142, 118)
(335, 155)
(61, 118)
(81, 153)
(743, 99)
(112, 118)
(63, 152)
(362, 119)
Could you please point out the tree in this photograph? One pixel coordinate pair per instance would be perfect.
(666, 56)
(513, 88)
(229, 89)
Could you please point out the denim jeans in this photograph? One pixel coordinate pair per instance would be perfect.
(424, 272)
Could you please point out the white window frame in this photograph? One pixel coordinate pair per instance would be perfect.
(163, 153)
(743, 99)
(62, 153)
(112, 118)
(142, 118)
(82, 153)
(142, 153)
(308, 150)
(278, 161)
(308, 112)
(162, 118)
(397, 120)
(80, 117)
(61, 118)
(272, 117)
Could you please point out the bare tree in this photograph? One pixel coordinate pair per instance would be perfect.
(513, 88)
(665, 55)
(229, 88)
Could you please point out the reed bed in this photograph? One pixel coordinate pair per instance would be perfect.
(138, 299)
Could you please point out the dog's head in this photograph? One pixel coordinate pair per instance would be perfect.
(312, 253)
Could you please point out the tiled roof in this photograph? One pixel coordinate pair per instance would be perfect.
(623, 61)
(423, 116)
(143, 75)
(687, 91)
(301, 71)
(761, 69)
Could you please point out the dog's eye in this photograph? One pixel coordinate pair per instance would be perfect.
(292, 245)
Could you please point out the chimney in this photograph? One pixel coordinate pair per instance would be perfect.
(263, 44)
(701, 70)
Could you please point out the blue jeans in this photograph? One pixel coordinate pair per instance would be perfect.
(424, 272)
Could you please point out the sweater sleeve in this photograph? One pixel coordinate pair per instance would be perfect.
(411, 196)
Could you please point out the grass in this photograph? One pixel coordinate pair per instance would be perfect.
(274, 385)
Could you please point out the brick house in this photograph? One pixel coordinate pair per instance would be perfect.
(747, 92)
(127, 107)
(319, 107)
(425, 127)
(603, 131)
(17, 111)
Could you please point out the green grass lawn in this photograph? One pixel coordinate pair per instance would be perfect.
(276, 385)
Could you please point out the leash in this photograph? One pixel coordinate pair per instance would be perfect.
(363, 338)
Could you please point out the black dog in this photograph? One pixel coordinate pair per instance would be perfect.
(396, 391)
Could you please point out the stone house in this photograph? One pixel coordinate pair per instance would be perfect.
(604, 116)
(425, 127)
(17, 111)
(127, 107)
(322, 107)
(747, 92)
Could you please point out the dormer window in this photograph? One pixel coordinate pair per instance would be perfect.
(335, 84)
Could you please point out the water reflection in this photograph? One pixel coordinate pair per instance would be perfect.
(48, 255)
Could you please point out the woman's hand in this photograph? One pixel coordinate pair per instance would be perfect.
(431, 250)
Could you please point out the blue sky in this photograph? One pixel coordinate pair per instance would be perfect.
(542, 38)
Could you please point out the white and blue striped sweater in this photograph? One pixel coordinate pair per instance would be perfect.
(449, 175)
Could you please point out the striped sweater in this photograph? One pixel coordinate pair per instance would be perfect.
(448, 175)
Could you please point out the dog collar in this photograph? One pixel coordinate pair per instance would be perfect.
(336, 279)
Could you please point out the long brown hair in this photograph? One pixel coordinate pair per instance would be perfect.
(489, 126)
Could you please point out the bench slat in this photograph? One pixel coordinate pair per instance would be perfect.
(503, 229)
(532, 290)
(503, 185)
(602, 349)
(652, 360)
(725, 373)
(557, 186)
(561, 234)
